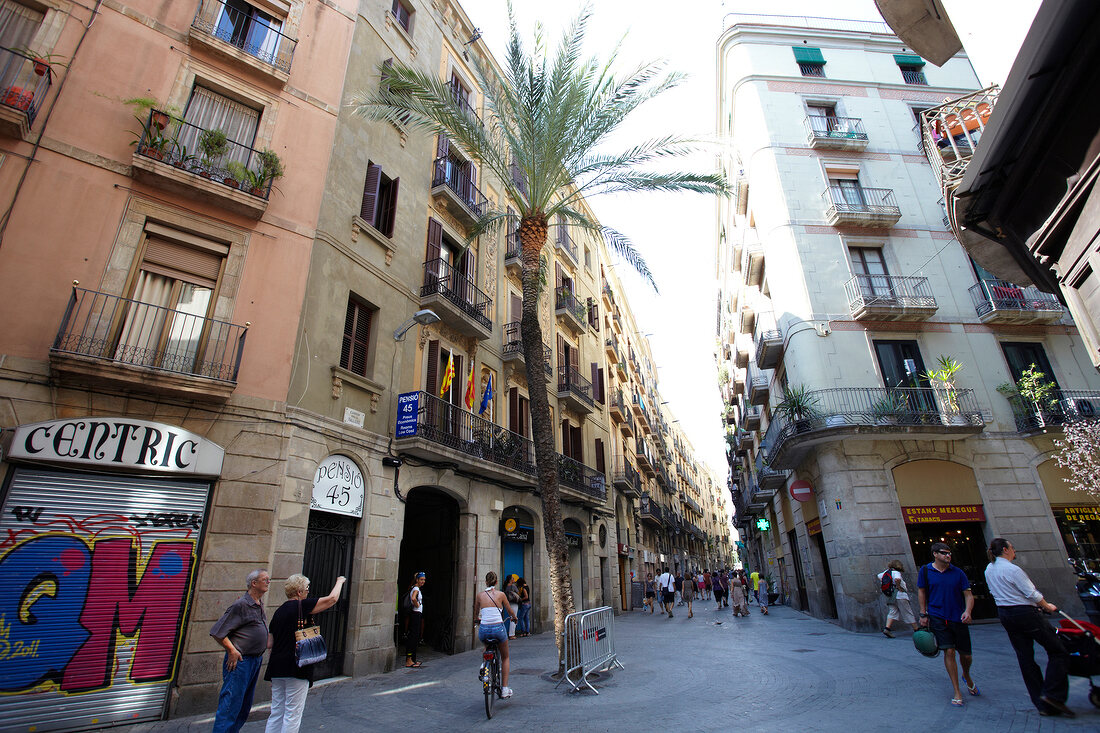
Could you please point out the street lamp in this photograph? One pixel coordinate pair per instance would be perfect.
(423, 317)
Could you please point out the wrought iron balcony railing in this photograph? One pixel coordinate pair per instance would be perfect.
(453, 175)
(565, 299)
(564, 242)
(170, 140)
(440, 278)
(864, 291)
(462, 98)
(513, 247)
(860, 200)
(650, 509)
(579, 477)
(854, 407)
(627, 475)
(570, 380)
(455, 427)
(991, 296)
(24, 82)
(255, 35)
(914, 77)
(1060, 407)
(950, 132)
(513, 345)
(130, 332)
(844, 128)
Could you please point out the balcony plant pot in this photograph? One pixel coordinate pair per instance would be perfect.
(159, 119)
(18, 97)
(230, 181)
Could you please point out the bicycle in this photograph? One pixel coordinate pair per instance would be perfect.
(490, 676)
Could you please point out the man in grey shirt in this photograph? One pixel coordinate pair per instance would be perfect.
(1018, 604)
(242, 630)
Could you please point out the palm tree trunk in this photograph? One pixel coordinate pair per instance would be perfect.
(532, 235)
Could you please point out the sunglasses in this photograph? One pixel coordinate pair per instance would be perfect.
(943, 552)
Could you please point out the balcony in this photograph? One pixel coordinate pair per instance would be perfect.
(950, 132)
(456, 300)
(835, 133)
(752, 417)
(249, 39)
(453, 187)
(626, 478)
(740, 352)
(513, 348)
(874, 413)
(627, 425)
(999, 301)
(759, 386)
(767, 477)
(588, 484)
(889, 298)
(133, 346)
(738, 379)
(462, 99)
(617, 406)
(756, 500)
(565, 245)
(513, 250)
(642, 413)
(450, 432)
(644, 456)
(769, 341)
(859, 206)
(1062, 406)
(611, 348)
(752, 262)
(24, 84)
(575, 390)
(649, 510)
(571, 312)
(168, 156)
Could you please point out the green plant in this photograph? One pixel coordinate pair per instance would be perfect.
(241, 174)
(943, 379)
(271, 166)
(889, 406)
(1034, 386)
(213, 144)
(1008, 389)
(798, 403)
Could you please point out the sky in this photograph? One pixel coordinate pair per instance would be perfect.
(675, 233)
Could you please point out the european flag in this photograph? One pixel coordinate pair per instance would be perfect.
(485, 398)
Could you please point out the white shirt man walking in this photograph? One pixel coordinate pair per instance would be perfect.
(666, 581)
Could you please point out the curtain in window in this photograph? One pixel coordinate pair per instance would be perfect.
(209, 110)
(18, 24)
(164, 327)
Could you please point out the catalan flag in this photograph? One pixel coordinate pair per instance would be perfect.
(471, 390)
(488, 396)
(448, 375)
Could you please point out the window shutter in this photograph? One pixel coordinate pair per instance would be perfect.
(595, 369)
(575, 441)
(565, 438)
(396, 6)
(557, 274)
(369, 207)
(431, 383)
(525, 416)
(513, 411)
(388, 217)
(574, 360)
(353, 353)
(601, 464)
(517, 307)
(808, 55)
(432, 254)
(603, 394)
(442, 147)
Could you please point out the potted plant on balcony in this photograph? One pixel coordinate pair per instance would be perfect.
(1037, 395)
(271, 168)
(942, 379)
(799, 406)
(18, 97)
(213, 144)
(886, 409)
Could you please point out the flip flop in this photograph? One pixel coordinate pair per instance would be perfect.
(957, 702)
(417, 665)
(973, 690)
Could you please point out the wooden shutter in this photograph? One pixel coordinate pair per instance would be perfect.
(353, 353)
(561, 352)
(575, 441)
(431, 381)
(601, 464)
(565, 439)
(442, 147)
(369, 208)
(513, 411)
(387, 218)
(517, 307)
(574, 360)
(525, 416)
(595, 371)
(603, 393)
(180, 262)
(557, 274)
(435, 240)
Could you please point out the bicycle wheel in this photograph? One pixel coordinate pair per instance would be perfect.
(489, 691)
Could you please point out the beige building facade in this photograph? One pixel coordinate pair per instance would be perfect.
(842, 286)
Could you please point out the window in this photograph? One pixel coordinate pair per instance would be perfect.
(357, 332)
(438, 359)
(571, 442)
(911, 67)
(519, 415)
(379, 207)
(1021, 355)
(208, 110)
(845, 190)
(250, 29)
(810, 60)
(403, 14)
(167, 325)
(869, 267)
(18, 24)
(901, 363)
(448, 266)
(823, 118)
(587, 258)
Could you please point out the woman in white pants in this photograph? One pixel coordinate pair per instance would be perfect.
(289, 682)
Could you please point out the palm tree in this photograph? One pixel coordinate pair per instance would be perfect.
(545, 119)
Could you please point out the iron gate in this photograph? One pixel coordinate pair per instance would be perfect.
(330, 547)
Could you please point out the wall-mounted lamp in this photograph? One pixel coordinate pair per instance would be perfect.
(474, 37)
(424, 318)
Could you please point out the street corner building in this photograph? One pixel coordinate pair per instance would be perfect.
(873, 372)
(243, 330)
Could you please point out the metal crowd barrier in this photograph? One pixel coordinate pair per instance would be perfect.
(589, 646)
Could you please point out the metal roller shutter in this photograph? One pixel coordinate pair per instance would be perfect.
(96, 578)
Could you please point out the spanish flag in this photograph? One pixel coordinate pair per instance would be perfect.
(448, 375)
(471, 391)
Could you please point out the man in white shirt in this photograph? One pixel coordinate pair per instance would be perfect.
(666, 581)
(897, 605)
(1018, 604)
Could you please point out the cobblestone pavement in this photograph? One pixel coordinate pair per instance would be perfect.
(711, 672)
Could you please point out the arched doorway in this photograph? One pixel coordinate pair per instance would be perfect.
(429, 544)
(940, 502)
(574, 538)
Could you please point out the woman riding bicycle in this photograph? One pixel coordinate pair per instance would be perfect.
(490, 605)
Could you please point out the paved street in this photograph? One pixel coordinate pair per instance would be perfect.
(785, 670)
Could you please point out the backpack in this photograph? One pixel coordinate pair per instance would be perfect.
(886, 583)
(407, 602)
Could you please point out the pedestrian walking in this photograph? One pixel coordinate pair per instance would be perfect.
(511, 590)
(650, 593)
(666, 581)
(737, 594)
(416, 619)
(718, 583)
(707, 584)
(755, 575)
(699, 583)
(242, 631)
(688, 593)
(289, 682)
(1018, 607)
(680, 587)
(946, 603)
(524, 626)
(897, 603)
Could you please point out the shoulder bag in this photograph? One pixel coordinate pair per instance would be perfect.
(309, 645)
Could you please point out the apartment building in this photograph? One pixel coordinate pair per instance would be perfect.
(842, 286)
(232, 309)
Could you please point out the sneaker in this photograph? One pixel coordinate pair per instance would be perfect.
(505, 693)
(887, 633)
(670, 614)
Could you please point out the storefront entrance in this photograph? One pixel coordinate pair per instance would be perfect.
(967, 543)
(430, 545)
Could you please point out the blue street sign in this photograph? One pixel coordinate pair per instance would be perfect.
(408, 405)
